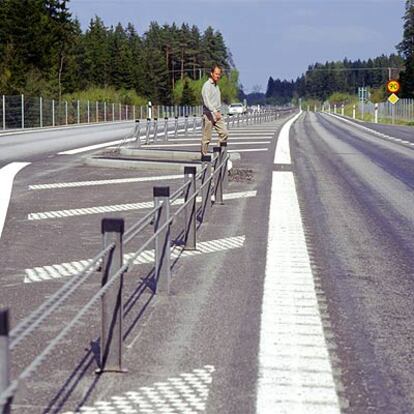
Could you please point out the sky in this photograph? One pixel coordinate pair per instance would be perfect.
(278, 38)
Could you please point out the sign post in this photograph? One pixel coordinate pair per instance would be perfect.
(393, 87)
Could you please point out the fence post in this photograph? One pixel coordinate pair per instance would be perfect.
(41, 112)
(113, 112)
(4, 112)
(22, 103)
(105, 111)
(206, 191)
(218, 179)
(162, 275)
(126, 112)
(112, 308)
(53, 112)
(97, 111)
(120, 112)
(66, 113)
(137, 133)
(78, 111)
(166, 129)
(343, 110)
(88, 113)
(353, 112)
(5, 362)
(376, 113)
(190, 210)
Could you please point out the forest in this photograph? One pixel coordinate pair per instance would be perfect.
(45, 52)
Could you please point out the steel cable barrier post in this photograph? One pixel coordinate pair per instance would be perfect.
(206, 182)
(224, 176)
(112, 308)
(147, 130)
(176, 127)
(137, 133)
(218, 181)
(162, 240)
(186, 125)
(5, 363)
(155, 129)
(190, 210)
(166, 129)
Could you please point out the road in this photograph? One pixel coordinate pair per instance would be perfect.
(228, 340)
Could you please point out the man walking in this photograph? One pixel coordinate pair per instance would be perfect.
(212, 110)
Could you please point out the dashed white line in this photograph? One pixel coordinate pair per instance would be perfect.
(44, 215)
(7, 175)
(57, 271)
(102, 182)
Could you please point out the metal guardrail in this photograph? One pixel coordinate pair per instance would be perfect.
(110, 262)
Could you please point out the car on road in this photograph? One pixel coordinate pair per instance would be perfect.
(236, 108)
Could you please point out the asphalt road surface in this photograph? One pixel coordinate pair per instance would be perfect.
(201, 348)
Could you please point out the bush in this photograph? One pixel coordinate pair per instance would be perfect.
(127, 97)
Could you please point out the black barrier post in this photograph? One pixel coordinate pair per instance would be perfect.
(206, 190)
(5, 363)
(162, 240)
(112, 308)
(218, 176)
(190, 210)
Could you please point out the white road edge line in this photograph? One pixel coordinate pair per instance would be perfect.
(295, 373)
(7, 175)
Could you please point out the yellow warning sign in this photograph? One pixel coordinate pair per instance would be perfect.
(393, 98)
(393, 86)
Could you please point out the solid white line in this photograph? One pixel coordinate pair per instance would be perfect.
(249, 150)
(55, 214)
(101, 182)
(295, 374)
(57, 271)
(282, 155)
(7, 175)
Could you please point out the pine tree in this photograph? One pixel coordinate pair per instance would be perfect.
(406, 48)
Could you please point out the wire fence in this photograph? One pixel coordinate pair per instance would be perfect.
(20, 112)
(174, 219)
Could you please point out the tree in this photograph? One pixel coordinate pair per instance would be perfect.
(187, 97)
(406, 48)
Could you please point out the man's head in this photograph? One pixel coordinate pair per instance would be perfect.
(215, 73)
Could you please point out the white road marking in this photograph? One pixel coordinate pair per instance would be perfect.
(121, 207)
(102, 182)
(249, 150)
(93, 147)
(282, 155)
(57, 271)
(295, 374)
(186, 393)
(7, 175)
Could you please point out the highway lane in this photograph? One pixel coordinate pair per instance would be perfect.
(357, 202)
(38, 144)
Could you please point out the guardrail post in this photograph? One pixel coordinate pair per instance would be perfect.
(137, 133)
(155, 129)
(190, 210)
(163, 240)
(218, 179)
(5, 363)
(166, 129)
(224, 176)
(176, 127)
(112, 308)
(147, 130)
(206, 191)
(186, 125)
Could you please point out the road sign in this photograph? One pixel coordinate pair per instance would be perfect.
(393, 86)
(393, 98)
